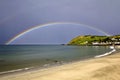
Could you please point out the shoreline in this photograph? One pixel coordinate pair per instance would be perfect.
(47, 66)
(46, 72)
(10, 64)
(40, 68)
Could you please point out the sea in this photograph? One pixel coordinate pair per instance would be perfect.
(23, 57)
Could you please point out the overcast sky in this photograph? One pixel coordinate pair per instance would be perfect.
(19, 15)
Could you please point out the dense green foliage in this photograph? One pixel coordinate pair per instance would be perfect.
(88, 39)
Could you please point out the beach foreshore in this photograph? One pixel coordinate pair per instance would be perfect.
(103, 68)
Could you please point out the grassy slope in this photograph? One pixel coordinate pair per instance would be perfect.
(88, 39)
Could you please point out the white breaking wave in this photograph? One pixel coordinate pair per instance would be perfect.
(108, 53)
(17, 70)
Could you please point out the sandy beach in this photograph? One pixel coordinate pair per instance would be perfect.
(104, 68)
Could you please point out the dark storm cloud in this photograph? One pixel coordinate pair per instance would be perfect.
(19, 15)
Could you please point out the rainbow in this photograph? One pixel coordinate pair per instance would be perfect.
(50, 24)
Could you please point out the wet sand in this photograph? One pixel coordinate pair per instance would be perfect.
(104, 68)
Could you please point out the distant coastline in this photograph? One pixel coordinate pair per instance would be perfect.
(95, 40)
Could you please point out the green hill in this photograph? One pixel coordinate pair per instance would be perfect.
(94, 40)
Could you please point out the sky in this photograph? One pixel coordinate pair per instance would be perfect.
(17, 16)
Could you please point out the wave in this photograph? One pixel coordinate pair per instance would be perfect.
(35, 67)
(108, 53)
(17, 70)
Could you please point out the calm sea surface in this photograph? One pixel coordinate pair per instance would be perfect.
(17, 57)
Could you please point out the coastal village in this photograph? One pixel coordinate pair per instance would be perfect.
(95, 40)
(115, 41)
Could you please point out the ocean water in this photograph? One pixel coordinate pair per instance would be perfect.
(16, 57)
